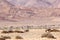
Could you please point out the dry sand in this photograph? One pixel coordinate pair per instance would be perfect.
(33, 34)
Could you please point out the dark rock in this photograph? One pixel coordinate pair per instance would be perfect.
(19, 37)
(48, 35)
(52, 30)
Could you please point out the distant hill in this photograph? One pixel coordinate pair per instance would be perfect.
(36, 3)
(13, 13)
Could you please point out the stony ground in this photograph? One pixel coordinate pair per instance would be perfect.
(33, 34)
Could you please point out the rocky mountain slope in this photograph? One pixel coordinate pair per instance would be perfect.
(10, 12)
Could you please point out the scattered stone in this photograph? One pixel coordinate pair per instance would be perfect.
(48, 35)
(26, 30)
(2, 39)
(19, 37)
(10, 31)
(7, 32)
(52, 30)
(4, 32)
(7, 37)
(19, 31)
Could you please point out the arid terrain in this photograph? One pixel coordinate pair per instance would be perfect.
(39, 14)
(33, 34)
